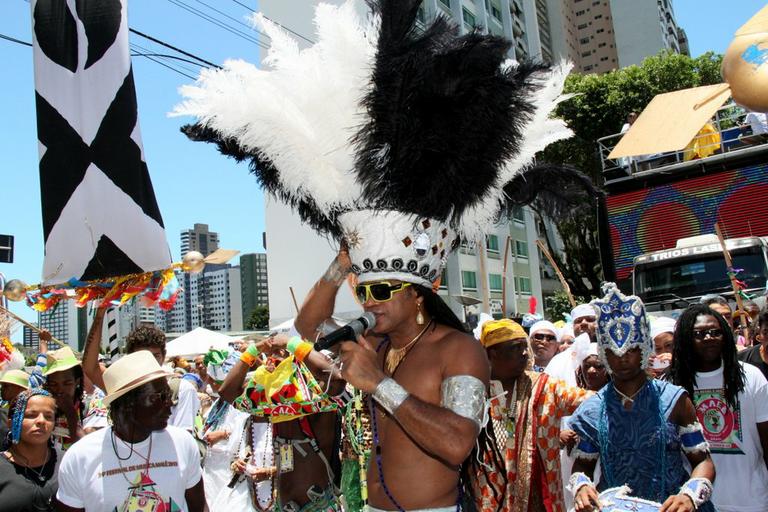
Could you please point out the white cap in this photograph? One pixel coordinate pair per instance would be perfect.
(582, 310)
(567, 330)
(661, 325)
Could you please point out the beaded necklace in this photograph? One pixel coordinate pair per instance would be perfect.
(269, 447)
(602, 433)
(355, 432)
(377, 446)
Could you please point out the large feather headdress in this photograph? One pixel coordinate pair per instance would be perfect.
(399, 140)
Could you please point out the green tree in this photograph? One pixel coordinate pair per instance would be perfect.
(557, 305)
(259, 318)
(599, 107)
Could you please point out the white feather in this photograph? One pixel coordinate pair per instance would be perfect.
(541, 131)
(301, 112)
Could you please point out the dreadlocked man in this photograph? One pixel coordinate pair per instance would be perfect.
(730, 400)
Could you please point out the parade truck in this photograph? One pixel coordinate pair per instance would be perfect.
(657, 220)
(670, 279)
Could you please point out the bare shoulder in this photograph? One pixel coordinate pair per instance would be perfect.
(461, 354)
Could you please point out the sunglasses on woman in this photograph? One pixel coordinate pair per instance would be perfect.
(381, 291)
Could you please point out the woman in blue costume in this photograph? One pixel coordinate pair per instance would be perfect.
(638, 426)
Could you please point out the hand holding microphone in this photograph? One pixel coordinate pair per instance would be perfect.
(349, 332)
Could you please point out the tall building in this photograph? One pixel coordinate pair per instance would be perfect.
(253, 279)
(30, 338)
(601, 35)
(297, 256)
(200, 239)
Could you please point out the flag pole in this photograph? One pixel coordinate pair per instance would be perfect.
(560, 276)
(31, 326)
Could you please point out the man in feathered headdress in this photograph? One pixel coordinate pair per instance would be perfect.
(399, 142)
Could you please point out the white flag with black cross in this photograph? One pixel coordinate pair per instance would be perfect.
(100, 215)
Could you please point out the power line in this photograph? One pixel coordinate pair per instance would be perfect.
(167, 61)
(14, 40)
(157, 61)
(218, 23)
(167, 45)
(276, 23)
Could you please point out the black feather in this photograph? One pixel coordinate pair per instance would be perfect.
(444, 116)
(556, 191)
(268, 177)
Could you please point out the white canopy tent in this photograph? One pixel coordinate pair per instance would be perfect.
(197, 341)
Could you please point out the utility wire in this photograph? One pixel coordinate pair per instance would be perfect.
(177, 62)
(219, 23)
(276, 23)
(14, 40)
(166, 61)
(167, 45)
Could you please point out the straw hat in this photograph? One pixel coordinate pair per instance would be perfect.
(130, 372)
(16, 377)
(60, 360)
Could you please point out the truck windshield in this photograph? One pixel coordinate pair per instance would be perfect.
(699, 275)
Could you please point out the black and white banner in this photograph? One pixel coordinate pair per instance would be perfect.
(100, 215)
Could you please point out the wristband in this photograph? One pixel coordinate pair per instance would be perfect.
(390, 395)
(299, 348)
(293, 344)
(250, 355)
(698, 489)
(577, 481)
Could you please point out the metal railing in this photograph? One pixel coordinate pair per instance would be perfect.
(727, 132)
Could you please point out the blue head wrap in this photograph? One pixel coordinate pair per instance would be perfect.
(20, 407)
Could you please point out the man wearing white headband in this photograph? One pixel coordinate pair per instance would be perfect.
(584, 320)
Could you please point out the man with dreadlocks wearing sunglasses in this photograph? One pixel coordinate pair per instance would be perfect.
(139, 462)
(731, 400)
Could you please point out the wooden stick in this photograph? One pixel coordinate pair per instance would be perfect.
(560, 276)
(31, 326)
(729, 264)
(293, 296)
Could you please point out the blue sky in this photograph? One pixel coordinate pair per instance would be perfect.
(192, 182)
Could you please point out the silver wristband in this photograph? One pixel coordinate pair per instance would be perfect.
(698, 489)
(390, 395)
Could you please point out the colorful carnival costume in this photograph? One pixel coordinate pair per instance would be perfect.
(526, 427)
(632, 437)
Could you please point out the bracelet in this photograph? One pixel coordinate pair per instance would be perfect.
(299, 348)
(698, 489)
(577, 481)
(390, 395)
(250, 355)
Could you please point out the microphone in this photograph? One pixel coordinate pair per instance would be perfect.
(349, 332)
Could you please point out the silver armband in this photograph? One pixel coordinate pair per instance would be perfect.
(465, 395)
(390, 395)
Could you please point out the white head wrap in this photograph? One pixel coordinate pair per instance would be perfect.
(661, 325)
(582, 310)
(567, 330)
(544, 325)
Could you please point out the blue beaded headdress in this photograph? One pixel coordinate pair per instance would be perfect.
(621, 324)
(19, 408)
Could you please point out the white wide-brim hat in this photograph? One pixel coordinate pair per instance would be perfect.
(130, 372)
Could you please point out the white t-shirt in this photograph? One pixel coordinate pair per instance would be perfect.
(741, 483)
(758, 122)
(92, 478)
(184, 412)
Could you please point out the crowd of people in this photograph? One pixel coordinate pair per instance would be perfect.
(417, 415)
